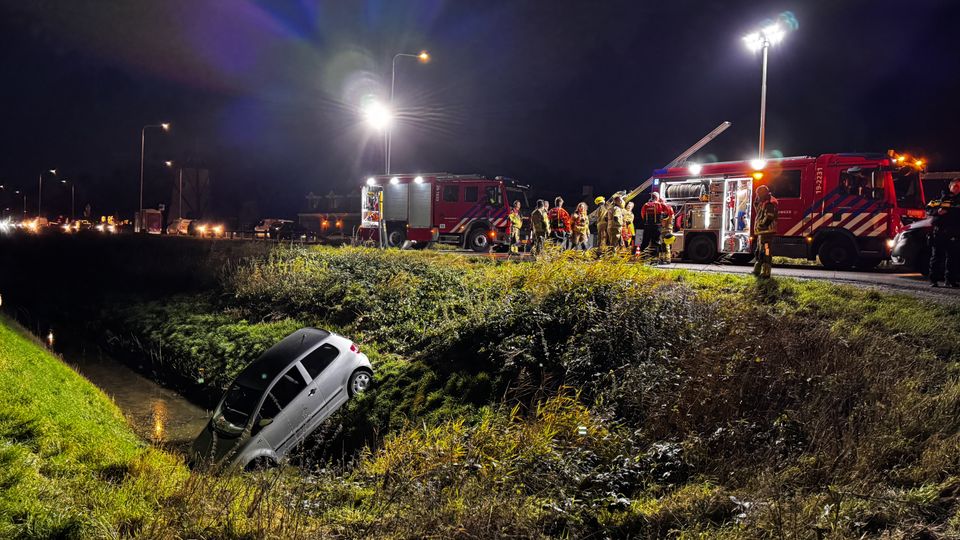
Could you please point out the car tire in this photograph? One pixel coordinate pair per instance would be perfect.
(702, 250)
(260, 463)
(360, 381)
(477, 240)
(837, 254)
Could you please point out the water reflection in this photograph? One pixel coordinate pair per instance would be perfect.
(159, 420)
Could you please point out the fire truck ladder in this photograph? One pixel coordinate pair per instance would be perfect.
(676, 161)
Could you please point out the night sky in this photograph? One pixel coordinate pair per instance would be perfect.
(554, 93)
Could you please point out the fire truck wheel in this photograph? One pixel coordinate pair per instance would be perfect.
(396, 238)
(741, 258)
(420, 245)
(702, 249)
(837, 254)
(478, 241)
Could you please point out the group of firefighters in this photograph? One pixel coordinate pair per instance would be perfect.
(617, 230)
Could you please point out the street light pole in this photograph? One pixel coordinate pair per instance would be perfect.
(761, 41)
(143, 139)
(40, 191)
(423, 57)
(73, 214)
(763, 96)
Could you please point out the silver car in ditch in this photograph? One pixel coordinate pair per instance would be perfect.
(281, 398)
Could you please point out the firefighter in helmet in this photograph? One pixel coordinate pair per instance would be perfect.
(615, 222)
(601, 221)
(764, 229)
(516, 223)
(540, 225)
(580, 223)
(945, 242)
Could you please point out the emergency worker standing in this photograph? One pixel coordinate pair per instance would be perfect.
(516, 223)
(764, 229)
(654, 215)
(629, 233)
(945, 242)
(560, 222)
(540, 225)
(580, 224)
(615, 223)
(601, 221)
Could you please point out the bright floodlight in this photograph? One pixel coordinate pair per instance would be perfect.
(394, 180)
(371, 181)
(770, 35)
(424, 56)
(758, 164)
(418, 180)
(695, 168)
(377, 115)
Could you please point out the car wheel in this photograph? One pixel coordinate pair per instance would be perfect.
(837, 254)
(478, 241)
(702, 249)
(359, 382)
(261, 463)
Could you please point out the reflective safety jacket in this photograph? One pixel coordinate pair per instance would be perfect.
(766, 222)
(580, 223)
(559, 219)
(516, 222)
(656, 213)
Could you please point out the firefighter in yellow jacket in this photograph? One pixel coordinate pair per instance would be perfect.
(615, 222)
(764, 229)
(516, 223)
(629, 232)
(601, 221)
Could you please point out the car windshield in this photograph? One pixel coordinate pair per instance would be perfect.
(232, 416)
(906, 183)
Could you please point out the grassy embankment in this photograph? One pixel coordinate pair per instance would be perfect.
(711, 404)
(818, 406)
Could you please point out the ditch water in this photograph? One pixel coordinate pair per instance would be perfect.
(157, 414)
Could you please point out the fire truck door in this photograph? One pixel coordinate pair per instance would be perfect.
(736, 214)
(395, 202)
(448, 202)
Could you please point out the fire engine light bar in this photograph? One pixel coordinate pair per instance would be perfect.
(371, 181)
(695, 168)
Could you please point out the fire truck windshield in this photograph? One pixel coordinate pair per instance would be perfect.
(514, 194)
(906, 183)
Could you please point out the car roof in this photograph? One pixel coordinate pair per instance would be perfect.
(275, 360)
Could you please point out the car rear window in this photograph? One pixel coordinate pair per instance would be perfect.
(319, 359)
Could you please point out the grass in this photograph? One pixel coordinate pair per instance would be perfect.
(714, 405)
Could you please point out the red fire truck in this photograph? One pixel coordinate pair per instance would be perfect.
(843, 208)
(469, 211)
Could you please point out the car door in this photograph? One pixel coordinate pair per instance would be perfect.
(287, 402)
(321, 366)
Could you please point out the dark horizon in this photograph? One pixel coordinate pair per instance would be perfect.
(556, 95)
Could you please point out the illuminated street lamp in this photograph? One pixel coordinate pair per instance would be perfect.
(40, 189)
(761, 40)
(377, 115)
(143, 137)
(423, 57)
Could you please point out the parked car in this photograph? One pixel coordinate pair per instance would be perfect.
(289, 230)
(261, 229)
(281, 398)
(911, 247)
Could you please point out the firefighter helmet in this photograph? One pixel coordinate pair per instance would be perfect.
(669, 238)
(599, 200)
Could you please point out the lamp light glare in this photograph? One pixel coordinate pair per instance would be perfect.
(758, 164)
(695, 168)
(165, 126)
(424, 57)
(377, 115)
(371, 181)
(394, 180)
(418, 180)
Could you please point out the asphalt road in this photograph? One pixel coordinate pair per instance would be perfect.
(892, 280)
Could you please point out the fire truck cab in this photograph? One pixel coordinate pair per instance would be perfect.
(844, 209)
(469, 211)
